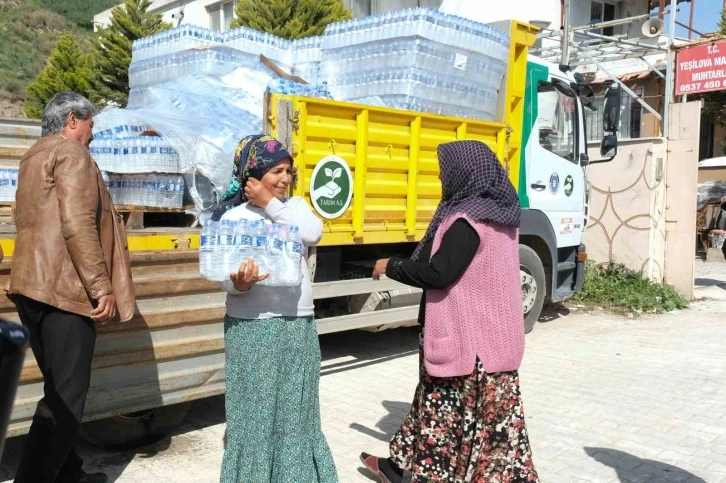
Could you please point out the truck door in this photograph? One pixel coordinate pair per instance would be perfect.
(556, 182)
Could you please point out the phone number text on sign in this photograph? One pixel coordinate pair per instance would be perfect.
(701, 68)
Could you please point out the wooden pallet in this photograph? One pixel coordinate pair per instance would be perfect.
(136, 217)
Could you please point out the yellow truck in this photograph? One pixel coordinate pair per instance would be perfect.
(371, 174)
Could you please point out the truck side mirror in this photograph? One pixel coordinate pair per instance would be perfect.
(609, 146)
(610, 123)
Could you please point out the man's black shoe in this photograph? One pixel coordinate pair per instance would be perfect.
(88, 478)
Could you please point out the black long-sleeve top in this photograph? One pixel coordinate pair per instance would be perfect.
(458, 247)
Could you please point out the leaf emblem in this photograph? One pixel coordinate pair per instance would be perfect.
(329, 173)
(337, 173)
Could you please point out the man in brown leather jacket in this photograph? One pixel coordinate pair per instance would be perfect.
(70, 271)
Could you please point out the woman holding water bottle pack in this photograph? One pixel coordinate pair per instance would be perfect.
(272, 350)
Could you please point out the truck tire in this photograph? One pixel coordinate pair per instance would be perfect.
(135, 429)
(534, 285)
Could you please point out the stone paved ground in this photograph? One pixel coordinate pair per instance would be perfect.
(607, 400)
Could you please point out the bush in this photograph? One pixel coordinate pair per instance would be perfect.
(615, 287)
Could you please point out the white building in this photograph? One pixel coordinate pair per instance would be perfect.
(218, 14)
(204, 13)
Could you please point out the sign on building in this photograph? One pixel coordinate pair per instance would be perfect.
(701, 68)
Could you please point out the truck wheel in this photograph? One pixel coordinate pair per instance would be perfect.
(135, 429)
(534, 285)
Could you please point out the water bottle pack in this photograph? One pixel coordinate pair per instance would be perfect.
(180, 38)
(8, 184)
(417, 59)
(420, 90)
(114, 124)
(414, 53)
(306, 55)
(255, 43)
(422, 22)
(286, 87)
(276, 248)
(140, 154)
(217, 60)
(154, 190)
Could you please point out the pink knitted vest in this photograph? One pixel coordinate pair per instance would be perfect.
(481, 313)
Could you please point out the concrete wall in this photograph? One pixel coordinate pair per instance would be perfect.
(642, 204)
(682, 177)
(627, 204)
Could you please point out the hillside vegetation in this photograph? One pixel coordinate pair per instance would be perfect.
(28, 31)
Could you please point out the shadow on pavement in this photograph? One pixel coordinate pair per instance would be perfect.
(709, 282)
(95, 459)
(552, 313)
(633, 469)
(388, 425)
(360, 348)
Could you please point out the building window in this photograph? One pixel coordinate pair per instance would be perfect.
(631, 116)
(602, 12)
(221, 15)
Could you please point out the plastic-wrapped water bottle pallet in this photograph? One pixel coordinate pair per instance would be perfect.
(7, 213)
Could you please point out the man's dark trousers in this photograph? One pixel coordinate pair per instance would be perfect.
(63, 344)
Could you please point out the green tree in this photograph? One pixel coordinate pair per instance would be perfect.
(112, 50)
(290, 19)
(68, 69)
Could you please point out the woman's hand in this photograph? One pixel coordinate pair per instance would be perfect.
(380, 269)
(247, 275)
(256, 192)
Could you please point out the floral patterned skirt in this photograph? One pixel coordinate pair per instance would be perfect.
(465, 430)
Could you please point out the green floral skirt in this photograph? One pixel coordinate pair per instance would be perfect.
(272, 403)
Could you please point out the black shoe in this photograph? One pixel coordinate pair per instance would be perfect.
(93, 478)
(87, 478)
(382, 468)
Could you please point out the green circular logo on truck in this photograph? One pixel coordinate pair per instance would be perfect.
(331, 187)
(569, 185)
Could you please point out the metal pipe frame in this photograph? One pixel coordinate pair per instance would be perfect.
(615, 78)
(612, 23)
(654, 68)
(631, 43)
(566, 37)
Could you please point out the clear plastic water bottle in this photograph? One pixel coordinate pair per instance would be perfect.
(4, 181)
(107, 181)
(208, 243)
(224, 261)
(292, 255)
(259, 246)
(178, 192)
(14, 181)
(275, 253)
(242, 244)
